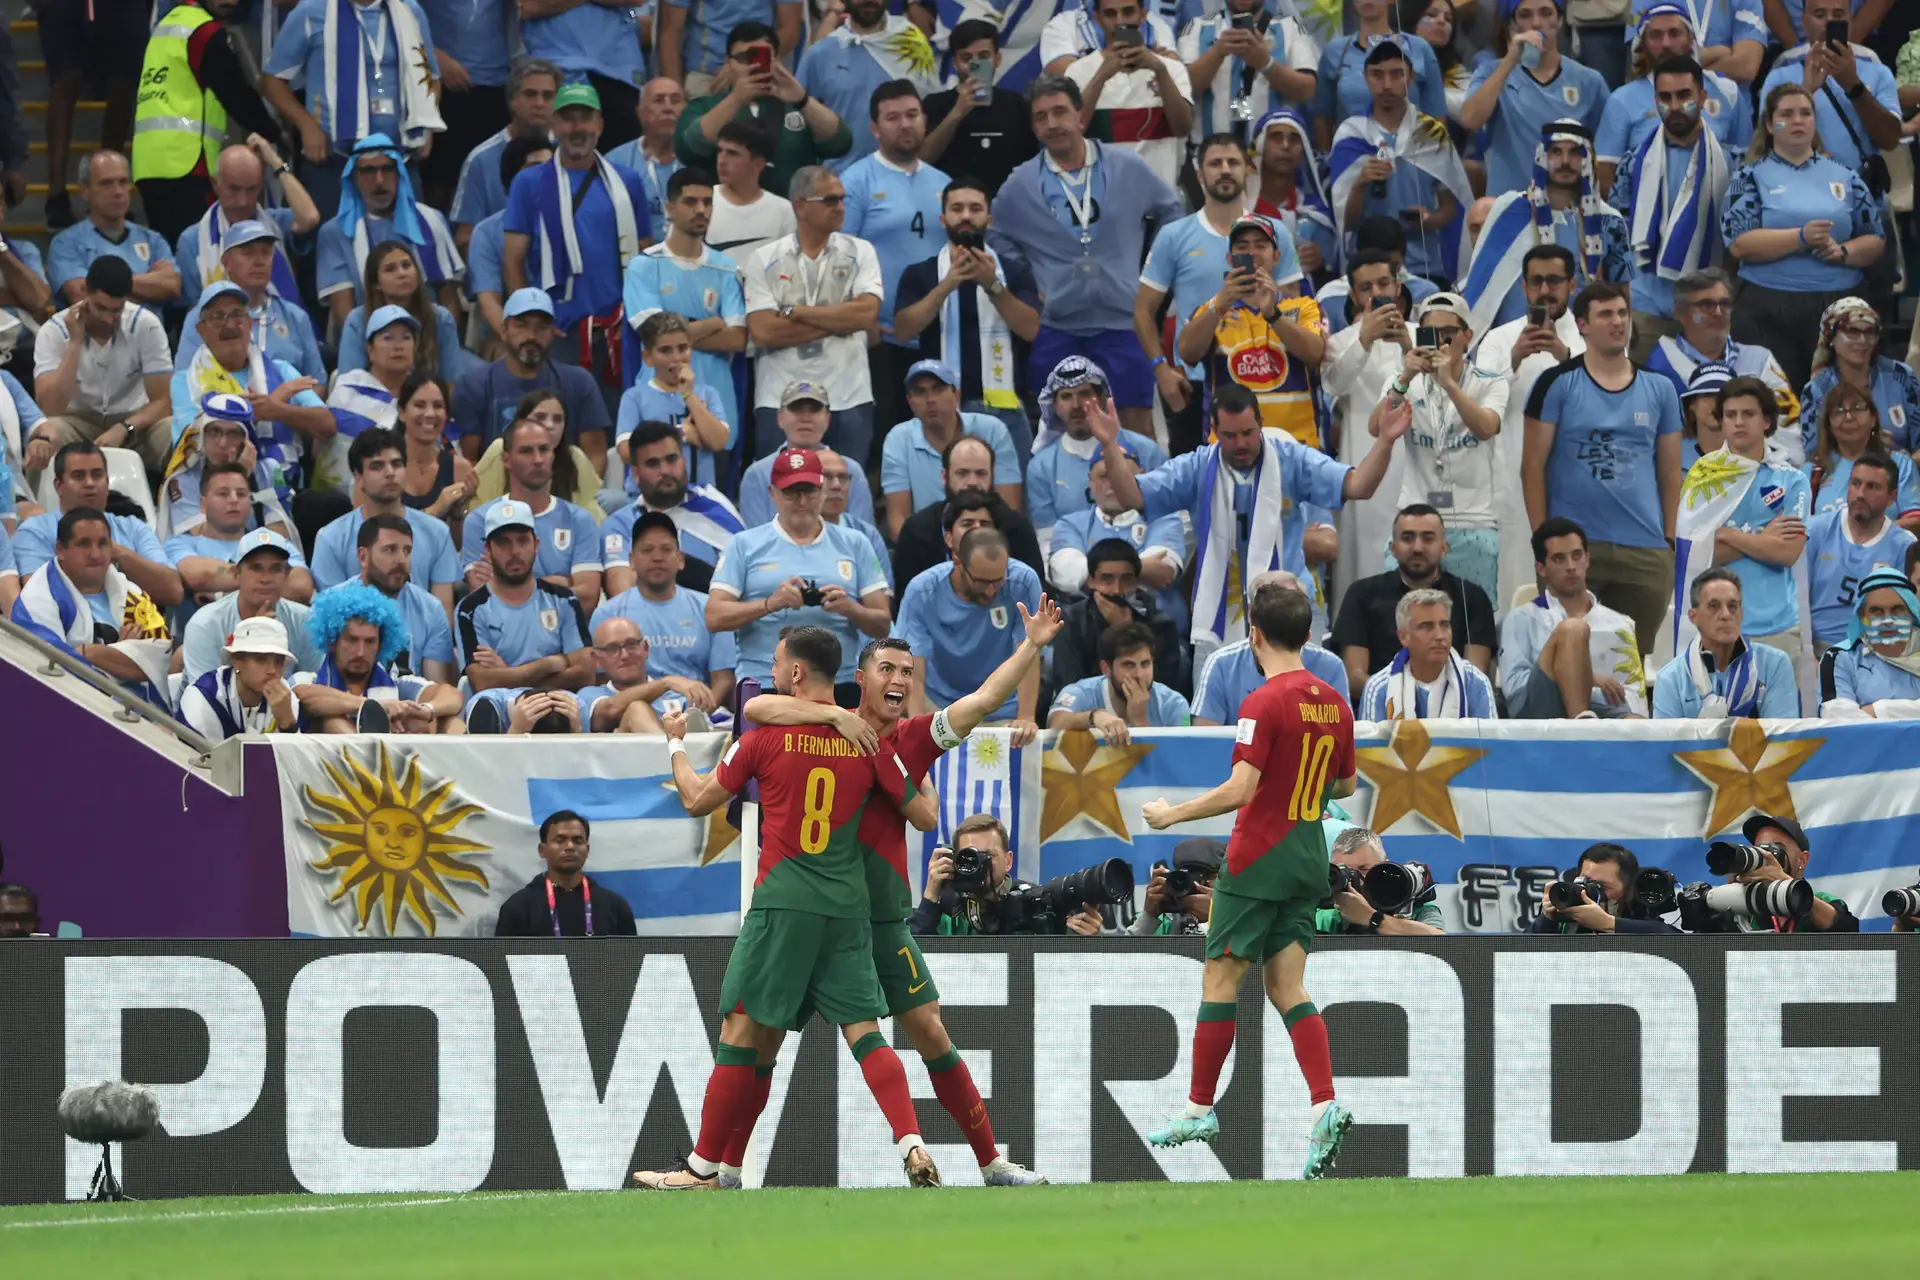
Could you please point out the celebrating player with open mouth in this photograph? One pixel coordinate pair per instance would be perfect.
(1295, 736)
(805, 944)
(886, 677)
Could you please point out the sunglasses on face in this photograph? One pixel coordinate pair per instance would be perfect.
(1547, 282)
(831, 202)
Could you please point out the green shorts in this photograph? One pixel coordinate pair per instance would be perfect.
(787, 965)
(902, 969)
(1258, 929)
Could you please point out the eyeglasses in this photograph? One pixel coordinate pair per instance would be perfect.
(1853, 411)
(622, 649)
(221, 319)
(1712, 304)
(1547, 282)
(1446, 331)
(1858, 335)
(831, 202)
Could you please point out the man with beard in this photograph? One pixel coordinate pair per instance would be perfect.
(378, 462)
(868, 48)
(967, 306)
(1637, 108)
(886, 679)
(485, 398)
(980, 126)
(1188, 262)
(515, 632)
(1366, 635)
(966, 475)
(1077, 390)
(694, 664)
(681, 274)
(960, 619)
(706, 520)
(385, 548)
(569, 539)
(355, 689)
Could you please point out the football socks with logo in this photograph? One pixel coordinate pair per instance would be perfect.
(729, 1093)
(1212, 1041)
(1309, 1032)
(743, 1132)
(953, 1086)
(887, 1079)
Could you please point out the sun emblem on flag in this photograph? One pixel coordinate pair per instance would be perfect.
(393, 840)
(424, 69)
(1709, 478)
(987, 752)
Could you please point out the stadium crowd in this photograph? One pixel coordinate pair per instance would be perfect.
(505, 368)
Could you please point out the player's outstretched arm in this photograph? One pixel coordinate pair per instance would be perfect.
(780, 708)
(965, 714)
(1232, 794)
(1343, 787)
(701, 795)
(923, 811)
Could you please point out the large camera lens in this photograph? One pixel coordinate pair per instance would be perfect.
(1657, 891)
(1102, 884)
(1728, 858)
(1563, 894)
(1792, 898)
(1392, 886)
(1902, 903)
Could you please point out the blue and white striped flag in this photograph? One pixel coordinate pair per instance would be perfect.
(988, 774)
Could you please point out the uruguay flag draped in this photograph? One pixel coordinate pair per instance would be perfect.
(1420, 141)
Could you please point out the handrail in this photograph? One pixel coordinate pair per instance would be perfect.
(133, 708)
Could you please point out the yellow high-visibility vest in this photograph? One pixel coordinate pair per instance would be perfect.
(175, 121)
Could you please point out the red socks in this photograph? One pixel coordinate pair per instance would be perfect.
(743, 1132)
(953, 1085)
(729, 1093)
(1212, 1041)
(1309, 1032)
(888, 1081)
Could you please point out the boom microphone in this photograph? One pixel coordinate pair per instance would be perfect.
(106, 1112)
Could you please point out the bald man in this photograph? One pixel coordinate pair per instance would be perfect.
(625, 702)
(651, 155)
(239, 181)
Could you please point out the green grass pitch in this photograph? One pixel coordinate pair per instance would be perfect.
(1834, 1225)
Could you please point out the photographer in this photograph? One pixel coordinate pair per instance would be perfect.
(1359, 850)
(1180, 897)
(1611, 873)
(1784, 839)
(984, 902)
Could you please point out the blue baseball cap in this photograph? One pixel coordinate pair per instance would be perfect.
(1126, 451)
(246, 232)
(933, 368)
(388, 315)
(216, 289)
(525, 301)
(1708, 377)
(509, 514)
(263, 540)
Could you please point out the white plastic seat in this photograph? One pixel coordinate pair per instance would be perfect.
(127, 475)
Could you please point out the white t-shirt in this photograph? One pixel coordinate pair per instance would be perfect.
(780, 275)
(1136, 91)
(739, 230)
(109, 378)
(1447, 466)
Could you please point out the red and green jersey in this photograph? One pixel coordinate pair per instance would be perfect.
(1297, 730)
(883, 828)
(814, 786)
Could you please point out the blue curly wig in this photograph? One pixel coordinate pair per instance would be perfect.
(333, 609)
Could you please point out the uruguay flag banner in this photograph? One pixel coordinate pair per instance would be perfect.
(987, 774)
(1420, 141)
(1497, 809)
(409, 837)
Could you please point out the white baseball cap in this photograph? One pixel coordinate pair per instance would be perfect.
(257, 635)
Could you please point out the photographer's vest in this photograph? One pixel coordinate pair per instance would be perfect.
(176, 123)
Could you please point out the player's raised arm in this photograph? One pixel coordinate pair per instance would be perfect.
(923, 811)
(780, 708)
(963, 715)
(1234, 793)
(701, 794)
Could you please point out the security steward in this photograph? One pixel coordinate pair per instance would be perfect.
(561, 902)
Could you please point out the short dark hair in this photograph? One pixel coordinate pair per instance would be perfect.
(887, 93)
(1681, 65)
(1367, 258)
(1282, 615)
(513, 157)
(1385, 51)
(1719, 573)
(965, 182)
(987, 822)
(21, 891)
(1556, 527)
(658, 325)
(559, 816)
(946, 454)
(111, 276)
(1231, 397)
(1213, 140)
(969, 500)
(818, 647)
(749, 137)
(374, 526)
(1557, 252)
(884, 642)
(1879, 462)
(1377, 231)
(1047, 86)
(1596, 291)
(689, 177)
(749, 32)
(372, 442)
(73, 519)
(972, 30)
(975, 541)
(1761, 393)
(1620, 856)
(1417, 509)
(651, 432)
(74, 449)
(1124, 638)
(224, 469)
(1108, 550)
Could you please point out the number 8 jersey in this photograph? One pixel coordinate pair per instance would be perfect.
(1297, 730)
(814, 786)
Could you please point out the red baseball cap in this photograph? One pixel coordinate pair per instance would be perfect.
(797, 466)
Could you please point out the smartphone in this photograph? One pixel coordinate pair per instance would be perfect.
(1378, 303)
(980, 71)
(1410, 217)
(1839, 33)
(1244, 21)
(1426, 336)
(1127, 35)
(762, 58)
(1242, 262)
(1537, 315)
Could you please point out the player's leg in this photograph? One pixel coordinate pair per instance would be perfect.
(953, 1086)
(887, 1081)
(845, 988)
(1286, 988)
(767, 1056)
(1213, 1032)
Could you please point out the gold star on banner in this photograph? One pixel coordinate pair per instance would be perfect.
(721, 834)
(1748, 774)
(1073, 789)
(1411, 775)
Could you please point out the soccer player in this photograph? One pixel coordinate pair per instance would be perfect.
(805, 944)
(885, 677)
(1295, 738)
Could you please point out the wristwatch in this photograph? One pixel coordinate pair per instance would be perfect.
(994, 288)
(786, 312)
(1858, 91)
(1373, 925)
(283, 170)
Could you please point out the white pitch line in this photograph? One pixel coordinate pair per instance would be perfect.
(267, 1212)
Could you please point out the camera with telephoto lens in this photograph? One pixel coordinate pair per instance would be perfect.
(968, 238)
(1713, 908)
(1395, 888)
(972, 871)
(1563, 894)
(1179, 884)
(810, 594)
(1902, 904)
(1732, 858)
(1044, 908)
(1656, 891)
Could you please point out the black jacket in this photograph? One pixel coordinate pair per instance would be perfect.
(1630, 920)
(922, 543)
(525, 914)
(1076, 651)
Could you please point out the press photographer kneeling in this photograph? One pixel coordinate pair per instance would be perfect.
(1180, 897)
(970, 889)
(1368, 894)
(1767, 889)
(1603, 895)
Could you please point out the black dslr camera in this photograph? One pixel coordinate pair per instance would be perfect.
(1563, 894)
(972, 872)
(1044, 908)
(1902, 904)
(810, 594)
(1395, 888)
